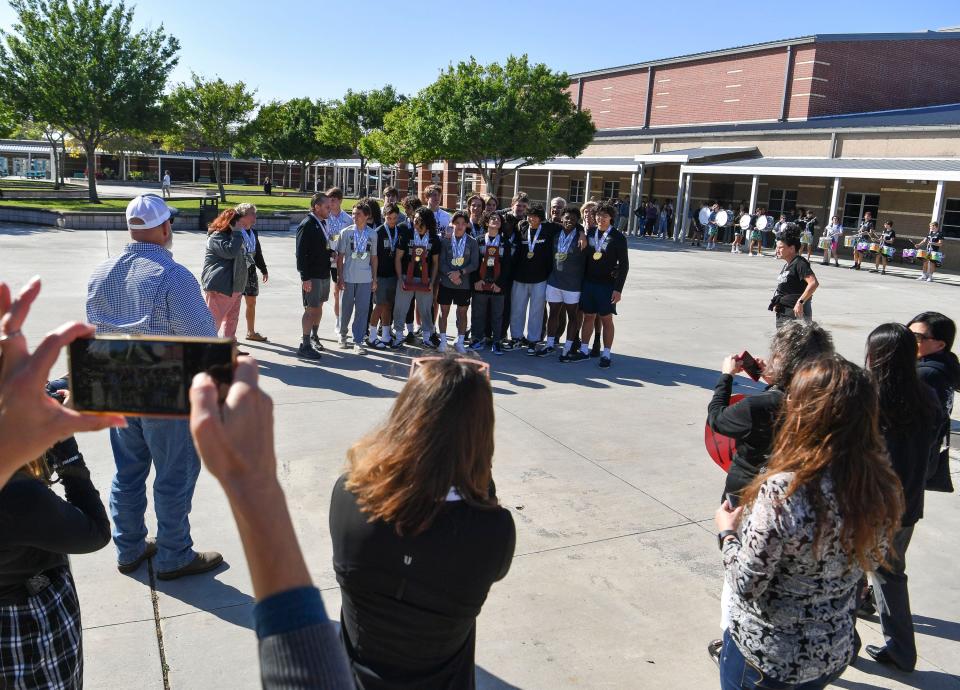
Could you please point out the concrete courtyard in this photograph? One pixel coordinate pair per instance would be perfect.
(616, 579)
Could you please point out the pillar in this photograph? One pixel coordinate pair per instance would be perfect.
(516, 181)
(259, 179)
(937, 203)
(636, 185)
(228, 180)
(687, 193)
(549, 191)
(159, 169)
(754, 183)
(678, 215)
(402, 179)
(834, 201)
(193, 163)
(463, 190)
(379, 180)
(586, 190)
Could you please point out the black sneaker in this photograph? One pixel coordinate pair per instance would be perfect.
(532, 349)
(315, 341)
(595, 351)
(496, 349)
(396, 343)
(435, 339)
(544, 350)
(307, 352)
(509, 344)
(478, 344)
(575, 356)
(604, 362)
(410, 339)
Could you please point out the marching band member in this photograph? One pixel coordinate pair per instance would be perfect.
(864, 232)
(476, 207)
(712, 228)
(388, 235)
(809, 224)
(886, 237)
(933, 242)
(834, 233)
(357, 275)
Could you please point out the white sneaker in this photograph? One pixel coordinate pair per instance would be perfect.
(923, 277)
(343, 341)
(359, 349)
(460, 348)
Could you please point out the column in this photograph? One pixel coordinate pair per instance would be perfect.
(259, 179)
(463, 189)
(636, 186)
(586, 188)
(159, 169)
(379, 180)
(228, 180)
(687, 189)
(549, 190)
(937, 203)
(516, 181)
(754, 183)
(834, 201)
(193, 163)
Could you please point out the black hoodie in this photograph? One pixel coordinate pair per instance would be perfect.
(941, 371)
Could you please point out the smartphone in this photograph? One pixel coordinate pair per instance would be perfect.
(750, 365)
(733, 499)
(144, 376)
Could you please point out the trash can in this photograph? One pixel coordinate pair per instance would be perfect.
(209, 209)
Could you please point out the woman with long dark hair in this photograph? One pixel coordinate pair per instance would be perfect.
(41, 639)
(820, 516)
(418, 533)
(910, 421)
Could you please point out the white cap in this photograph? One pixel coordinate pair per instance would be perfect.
(149, 209)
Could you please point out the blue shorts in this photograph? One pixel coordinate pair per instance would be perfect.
(595, 299)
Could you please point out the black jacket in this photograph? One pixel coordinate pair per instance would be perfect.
(507, 261)
(941, 371)
(751, 423)
(38, 528)
(258, 255)
(313, 253)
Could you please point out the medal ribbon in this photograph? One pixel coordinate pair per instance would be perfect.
(600, 243)
(360, 240)
(565, 241)
(531, 244)
(458, 247)
(393, 237)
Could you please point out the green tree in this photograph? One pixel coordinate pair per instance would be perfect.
(491, 114)
(209, 116)
(9, 122)
(294, 137)
(355, 116)
(400, 139)
(80, 66)
(56, 137)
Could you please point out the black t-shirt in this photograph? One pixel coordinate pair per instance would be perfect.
(934, 238)
(612, 266)
(810, 224)
(866, 227)
(792, 280)
(888, 235)
(406, 245)
(410, 603)
(386, 252)
(535, 269)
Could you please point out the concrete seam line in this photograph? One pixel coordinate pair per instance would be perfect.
(605, 539)
(155, 600)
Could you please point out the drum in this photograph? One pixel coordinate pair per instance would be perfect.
(936, 257)
(763, 222)
(806, 237)
(745, 221)
(862, 246)
(874, 247)
(923, 254)
(888, 252)
(704, 216)
(824, 243)
(849, 241)
(908, 253)
(724, 217)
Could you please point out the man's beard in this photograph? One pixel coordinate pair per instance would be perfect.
(168, 245)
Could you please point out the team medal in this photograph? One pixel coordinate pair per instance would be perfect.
(563, 248)
(532, 243)
(335, 238)
(360, 241)
(458, 261)
(597, 256)
(458, 248)
(599, 243)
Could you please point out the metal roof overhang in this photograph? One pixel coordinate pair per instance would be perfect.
(595, 164)
(701, 154)
(946, 169)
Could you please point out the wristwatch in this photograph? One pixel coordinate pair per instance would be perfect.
(721, 537)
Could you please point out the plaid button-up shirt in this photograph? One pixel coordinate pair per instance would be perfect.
(143, 291)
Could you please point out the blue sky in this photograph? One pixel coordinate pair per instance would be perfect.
(289, 48)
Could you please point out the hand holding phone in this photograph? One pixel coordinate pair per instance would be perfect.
(750, 365)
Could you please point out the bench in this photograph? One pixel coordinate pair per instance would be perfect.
(203, 178)
(238, 180)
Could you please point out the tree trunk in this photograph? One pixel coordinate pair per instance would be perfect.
(219, 181)
(91, 151)
(362, 182)
(304, 173)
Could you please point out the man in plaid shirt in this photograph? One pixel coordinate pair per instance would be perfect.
(143, 291)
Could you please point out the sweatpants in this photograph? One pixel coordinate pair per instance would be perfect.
(355, 298)
(402, 303)
(534, 294)
(484, 304)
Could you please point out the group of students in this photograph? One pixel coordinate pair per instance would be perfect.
(391, 268)
(825, 489)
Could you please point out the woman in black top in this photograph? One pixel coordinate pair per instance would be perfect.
(910, 420)
(40, 631)
(796, 282)
(418, 534)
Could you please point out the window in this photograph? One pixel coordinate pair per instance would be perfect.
(611, 190)
(951, 218)
(577, 190)
(855, 205)
(782, 201)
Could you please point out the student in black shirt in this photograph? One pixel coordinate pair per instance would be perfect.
(418, 534)
(490, 283)
(887, 238)
(603, 282)
(313, 263)
(410, 206)
(38, 529)
(388, 238)
(864, 234)
(416, 261)
(534, 242)
(933, 242)
(796, 282)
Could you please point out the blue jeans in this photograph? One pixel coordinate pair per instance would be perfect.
(167, 445)
(736, 673)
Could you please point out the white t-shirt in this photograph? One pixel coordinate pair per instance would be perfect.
(166, 180)
(443, 220)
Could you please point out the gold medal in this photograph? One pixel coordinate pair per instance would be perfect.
(560, 257)
(529, 255)
(417, 258)
(458, 261)
(597, 256)
(335, 238)
(363, 256)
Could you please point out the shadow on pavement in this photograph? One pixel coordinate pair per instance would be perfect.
(209, 594)
(923, 680)
(934, 627)
(488, 681)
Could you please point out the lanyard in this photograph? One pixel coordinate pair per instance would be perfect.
(601, 242)
(360, 240)
(458, 247)
(563, 244)
(533, 243)
(392, 238)
(417, 237)
(323, 227)
(495, 242)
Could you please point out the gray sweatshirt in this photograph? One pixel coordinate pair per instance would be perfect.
(471, 261)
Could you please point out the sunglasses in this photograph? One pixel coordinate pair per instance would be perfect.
(922, 336)
(418, 362)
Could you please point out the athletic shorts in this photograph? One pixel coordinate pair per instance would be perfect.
(448, 296)
(319, 293)
(555, 295)
(253, 283)
(386, 290)
(595, 299)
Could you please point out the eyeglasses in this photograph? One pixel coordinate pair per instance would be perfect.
(483, 367)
